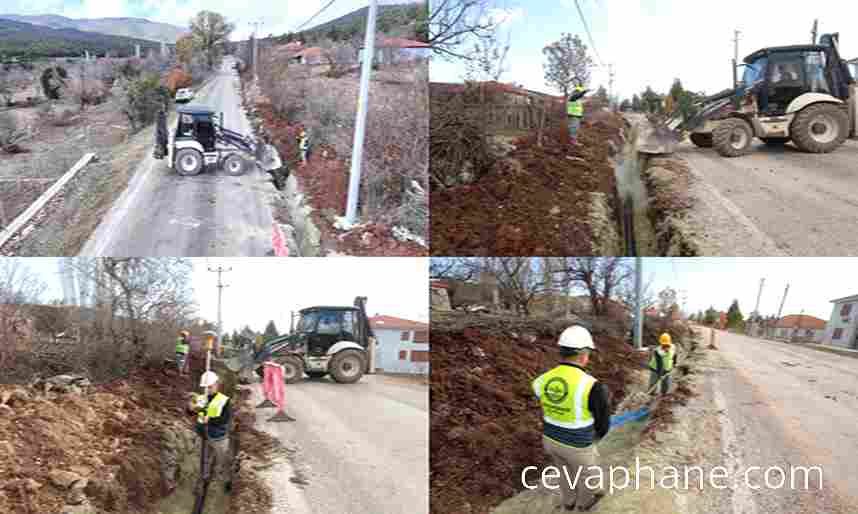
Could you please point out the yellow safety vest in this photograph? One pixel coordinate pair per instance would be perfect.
(214, 407)
(666, 359)
(182, 346)
(575, 108)
(565, 395)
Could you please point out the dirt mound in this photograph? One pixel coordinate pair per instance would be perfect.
(485, 422)
(536, 201)
(102, 432)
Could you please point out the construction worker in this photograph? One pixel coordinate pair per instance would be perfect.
(183, 348)
(575, 111)
(662, 360)
(214, 413)
(304, 145)
(575, 416)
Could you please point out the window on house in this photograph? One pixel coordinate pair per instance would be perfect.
(405, 336)
(420, 356)
(421, 336)
(403, 354)
(838, 333)
(846, 309)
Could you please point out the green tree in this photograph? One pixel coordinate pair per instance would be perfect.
(637, 105)
(711, 316)
(185, 49)
(270, 330)
(735, 320)
(210, 32)
(651, 101)
(568, 64)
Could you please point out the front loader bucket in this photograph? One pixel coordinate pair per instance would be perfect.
(657, 138)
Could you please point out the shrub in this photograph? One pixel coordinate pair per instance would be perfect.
(141, 100)
(53, 79)
(10, 134)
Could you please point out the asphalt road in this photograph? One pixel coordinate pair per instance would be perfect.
(784, 405)
(798, 200)
(212, 214)
(361, 448)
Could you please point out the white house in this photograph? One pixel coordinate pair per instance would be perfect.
(800, 327)
(842, 328)
(402, 346)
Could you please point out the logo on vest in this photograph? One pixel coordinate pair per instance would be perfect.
(556, 390)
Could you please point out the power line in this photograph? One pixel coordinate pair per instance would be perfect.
(589, 35)
(320, 11)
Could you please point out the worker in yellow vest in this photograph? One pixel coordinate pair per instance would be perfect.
(214, 413)
(575, 112)
(661, 362)
(183, 348)
(575, 417)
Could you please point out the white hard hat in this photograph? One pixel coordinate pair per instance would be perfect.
(209, 378)
(576, 337)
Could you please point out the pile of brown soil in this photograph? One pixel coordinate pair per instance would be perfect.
(486, 424)
(536, 201)
(107, 430)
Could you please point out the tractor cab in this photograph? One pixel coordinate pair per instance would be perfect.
(322, 327)
(196, 123)
(774, 78)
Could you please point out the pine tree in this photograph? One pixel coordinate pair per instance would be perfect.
(270, 331)
(735, 319)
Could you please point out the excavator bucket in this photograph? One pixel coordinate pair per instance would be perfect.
(658, 137)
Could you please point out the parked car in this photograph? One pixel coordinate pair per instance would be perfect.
(184, 95)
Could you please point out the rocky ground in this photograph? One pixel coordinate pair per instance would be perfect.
(552, 199)
(485, 424)
(76, 447)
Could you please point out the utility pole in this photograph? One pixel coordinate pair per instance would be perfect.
(220, 270)
(781, 308)
(638, 328)
(735, 56)
(610, 84)
(759, 295)
(813, 32)
(360, 124)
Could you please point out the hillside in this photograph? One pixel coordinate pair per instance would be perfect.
(139, 28)
(31, 41)
(394, 20)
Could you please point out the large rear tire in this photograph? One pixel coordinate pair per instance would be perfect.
(701, 139)
(293, 369)
(820, 128)
(347, 366)
(189, 162)
(732, 137)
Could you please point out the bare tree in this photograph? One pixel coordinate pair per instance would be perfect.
(487, 60)
(19, 288)
(210, 32)
(602, 277)
(453, 22)
(568, 63)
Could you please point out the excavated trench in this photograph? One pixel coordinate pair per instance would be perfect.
(638, 232)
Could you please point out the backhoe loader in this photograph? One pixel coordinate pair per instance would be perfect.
(805, 94)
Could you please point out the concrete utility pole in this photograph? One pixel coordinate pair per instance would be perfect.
(813, 32)
(781, 308)
(759, 295)
(638, 328)
(610, 84)
(360, 124)
(220, 270)
(735, 56)
(254, 49)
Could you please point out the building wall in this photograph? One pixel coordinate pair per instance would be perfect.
(815, 335)
(393, 355)
(842, 326)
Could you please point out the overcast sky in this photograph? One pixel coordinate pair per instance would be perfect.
(813, 282)
(263, 289)
(650, 42)
(277, 17)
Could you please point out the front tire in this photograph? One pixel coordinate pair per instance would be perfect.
(189, 162)
(234, 165)
(820, 128)
(701, 140)
(347, 366)
(732, 137)
(293, 370)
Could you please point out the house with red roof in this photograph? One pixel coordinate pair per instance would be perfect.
(397, 50)
(402, 345)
